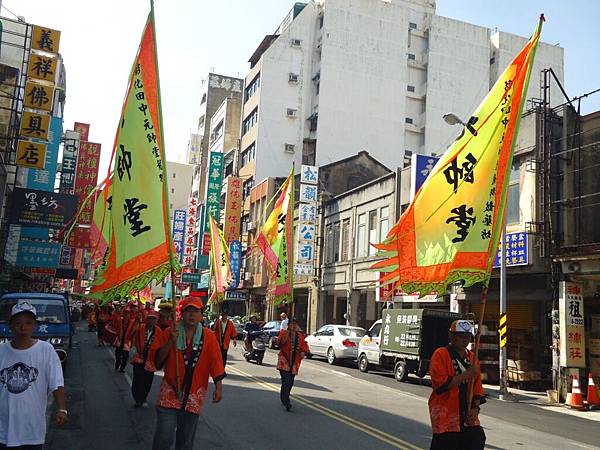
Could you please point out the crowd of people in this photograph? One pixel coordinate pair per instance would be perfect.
(189, 353)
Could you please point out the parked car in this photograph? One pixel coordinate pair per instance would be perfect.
(335, 342)
(272, 329)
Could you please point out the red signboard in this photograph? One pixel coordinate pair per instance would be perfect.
(80, 237)
(86, 177)
(83, 129)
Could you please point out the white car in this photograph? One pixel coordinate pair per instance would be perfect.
(335, 342)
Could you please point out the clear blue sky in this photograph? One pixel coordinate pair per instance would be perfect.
(100, 38)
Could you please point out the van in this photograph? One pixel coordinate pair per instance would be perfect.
(53, 319)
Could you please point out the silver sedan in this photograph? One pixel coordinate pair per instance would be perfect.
(335, 342)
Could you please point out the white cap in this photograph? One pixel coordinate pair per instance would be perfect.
(461, 326)
(22, 307)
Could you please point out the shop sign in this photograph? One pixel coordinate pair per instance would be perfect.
(572, 330)
(179, 219)
(40, 208)
(38, 254)
(517, 250)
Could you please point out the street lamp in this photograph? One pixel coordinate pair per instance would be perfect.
(453, 119)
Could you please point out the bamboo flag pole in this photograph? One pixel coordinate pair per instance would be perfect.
(484, 295)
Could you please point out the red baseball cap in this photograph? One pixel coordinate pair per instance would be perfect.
(194, 302)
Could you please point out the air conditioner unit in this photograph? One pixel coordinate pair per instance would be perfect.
(249, 226)
(293, 77)
(291, 112)
(290, 148)
(296, 42)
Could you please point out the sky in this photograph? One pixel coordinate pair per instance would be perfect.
(100, 38)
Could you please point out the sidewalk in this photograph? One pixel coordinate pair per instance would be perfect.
(540, 400)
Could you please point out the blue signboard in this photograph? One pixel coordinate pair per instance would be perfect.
(43, 180)
(38, 254)
(517, 250)
(421, 167)
(179, 219)
(235, 261)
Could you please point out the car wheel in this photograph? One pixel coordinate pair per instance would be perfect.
(331, 359)
(363, 363)
(400, 372)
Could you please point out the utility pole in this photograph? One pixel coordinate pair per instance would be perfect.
(502, 320)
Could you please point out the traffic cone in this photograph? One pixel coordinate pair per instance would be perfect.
(593, 399)
(574, 398)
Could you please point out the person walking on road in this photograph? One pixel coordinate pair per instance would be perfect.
(226, 333)
(292, 348)
(29, 371)
(143, 359)
(192, 351)
(456, 424)
(123, 323)
(284, 321)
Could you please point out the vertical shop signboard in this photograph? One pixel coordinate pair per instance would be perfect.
(179, 219)
(572, 330)
(213, 193)
(305, 245)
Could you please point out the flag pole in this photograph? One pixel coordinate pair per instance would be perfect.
(291, 244)
(166, 196)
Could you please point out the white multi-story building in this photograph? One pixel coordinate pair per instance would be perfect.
(340, 76)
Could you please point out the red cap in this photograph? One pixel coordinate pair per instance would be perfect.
(194, 302)
(152, 313)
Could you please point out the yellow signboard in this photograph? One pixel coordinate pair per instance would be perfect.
(42, 67)
(34, 125)
(233, 209)
(38, 96)
(31, 154)
(45, 39)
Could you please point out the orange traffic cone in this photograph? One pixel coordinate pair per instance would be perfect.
(574, 398)
(593, 399)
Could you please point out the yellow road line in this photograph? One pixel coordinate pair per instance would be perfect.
(360, 426)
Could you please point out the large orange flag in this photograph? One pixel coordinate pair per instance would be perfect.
(451, 229)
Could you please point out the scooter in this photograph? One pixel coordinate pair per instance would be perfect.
(259, 341)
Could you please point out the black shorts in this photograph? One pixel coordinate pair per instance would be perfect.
(471, 438)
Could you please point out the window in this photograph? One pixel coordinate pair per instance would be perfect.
(410, 88)
(248, 154)
(372, 231)
(412, 26)
(336, 242)
(244, 223)
(217, 132)
(321, 21)
(345, 239)
(328, 244)
(250, 121)
(384, 222)
(252, 87)
(247, 187)
(172, 190)
(412, 56)
(408, 120)
(375, 330)
(513, 212)
(290, 148)
(361, 236)
(293, 77)
(296, 42)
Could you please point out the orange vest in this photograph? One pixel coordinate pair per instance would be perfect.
(209, 363)
(284, 343)
(139, 342)
(229, 335)
(444, 404)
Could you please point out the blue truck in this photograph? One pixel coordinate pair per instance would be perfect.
(53, 319)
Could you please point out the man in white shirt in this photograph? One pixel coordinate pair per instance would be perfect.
(284, 321)
(29, 371)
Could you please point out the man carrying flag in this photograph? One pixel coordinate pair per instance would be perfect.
(189, 353)
(450, 233)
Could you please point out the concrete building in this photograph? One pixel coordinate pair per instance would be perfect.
(340, 76)
(215, 89)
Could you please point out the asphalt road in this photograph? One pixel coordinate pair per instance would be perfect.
(334, 407)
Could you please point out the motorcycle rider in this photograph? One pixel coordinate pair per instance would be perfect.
(249, 328)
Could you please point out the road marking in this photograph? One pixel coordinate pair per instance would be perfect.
(346, 420)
